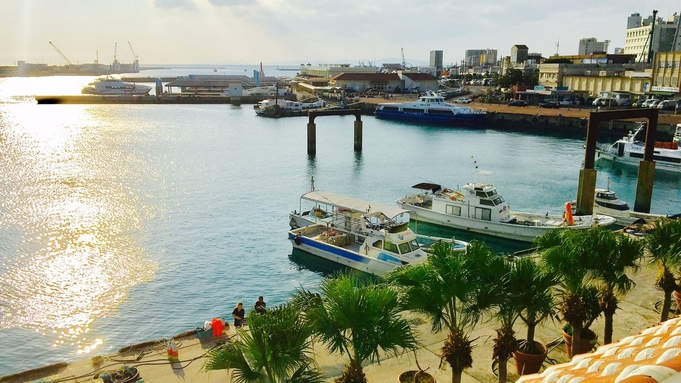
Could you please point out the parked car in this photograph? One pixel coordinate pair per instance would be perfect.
(647, 103)
(517, 103)
(596, 101)
(655, 103)
(567, 102)
(549, 104)
(667, 105)
(463, 100)
(638, 103)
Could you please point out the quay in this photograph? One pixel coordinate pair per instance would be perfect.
(529, 119)
(638, 311)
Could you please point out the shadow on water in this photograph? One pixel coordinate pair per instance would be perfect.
(323, 267)
(359, 163)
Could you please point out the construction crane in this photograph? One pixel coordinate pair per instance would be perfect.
(61, 54)
(134, 56)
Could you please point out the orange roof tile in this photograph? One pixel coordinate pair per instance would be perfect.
(652, 356)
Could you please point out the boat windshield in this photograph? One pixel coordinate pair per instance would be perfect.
(408, 247)
(607, 196)
(492, 202)
(485, 194)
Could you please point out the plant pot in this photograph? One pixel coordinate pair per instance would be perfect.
(585, 345)
(529, 363)
(421, 377)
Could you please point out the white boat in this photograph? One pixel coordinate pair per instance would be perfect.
(362, 235)
(477, 207)
(110, 86)
(607, 203)
(266, 107)
(430, 108)
(264, 91)
(628, 150)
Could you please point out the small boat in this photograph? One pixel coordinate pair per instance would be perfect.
(110, 86)
(606, 202)
(362, 235)
(430, 108)
(477, 207)
(627, 150)
(269, 107)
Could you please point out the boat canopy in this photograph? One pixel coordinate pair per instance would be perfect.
(428, 186)
(350, 203)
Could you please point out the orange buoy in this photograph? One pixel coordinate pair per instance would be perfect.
(568, 214)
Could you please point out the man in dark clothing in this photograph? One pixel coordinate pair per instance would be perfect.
(260, 306)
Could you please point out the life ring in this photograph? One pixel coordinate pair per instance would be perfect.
(297, 240)
(534, 120)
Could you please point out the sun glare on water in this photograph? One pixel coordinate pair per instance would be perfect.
(73, 257)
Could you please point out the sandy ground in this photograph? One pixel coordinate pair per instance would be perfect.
(637, 313)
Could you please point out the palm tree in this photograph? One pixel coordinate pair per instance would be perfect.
(530, 285)
(664, 244)
(448, 289)
(566, 253)
(506, 313)
(276, 350)
(612, 255)
(356, 318)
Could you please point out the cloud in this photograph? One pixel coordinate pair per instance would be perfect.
(229, 3)
(171, 4)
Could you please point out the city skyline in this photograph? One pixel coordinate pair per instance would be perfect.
(297, 31)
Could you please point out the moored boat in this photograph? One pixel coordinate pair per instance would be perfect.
(271, 107)
(430, 108)
(362, 235)
(607, 203)
(110, 86)
(477, 207)
(628, 150)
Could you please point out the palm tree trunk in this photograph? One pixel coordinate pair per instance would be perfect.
(666, 305)
(456, 376)
(503, 370)
(607, 332)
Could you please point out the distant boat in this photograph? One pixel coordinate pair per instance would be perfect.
(110, 86)
(606, 202)
(266, 107)
(430, 108)
(627, 150)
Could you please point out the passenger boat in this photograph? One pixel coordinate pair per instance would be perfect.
(362, 235)
(431, 108)
(606, 202)
(477, 207)
(110, 86)
(628, 150)
(268, 107)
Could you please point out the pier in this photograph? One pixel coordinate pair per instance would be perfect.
(312, 128)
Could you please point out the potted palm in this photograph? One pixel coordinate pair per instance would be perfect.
(530, 286)
(448, 290)
(357, 318)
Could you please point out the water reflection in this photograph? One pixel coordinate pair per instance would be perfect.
(68, 218)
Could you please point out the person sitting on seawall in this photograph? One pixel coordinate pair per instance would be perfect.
(260, 306)
(239, 315)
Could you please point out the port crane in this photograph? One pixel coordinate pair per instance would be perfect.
(134, 56)
(61, 54)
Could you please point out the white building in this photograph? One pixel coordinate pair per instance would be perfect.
(591, 45)
(666, 35)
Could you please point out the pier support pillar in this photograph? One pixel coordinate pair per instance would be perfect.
(644, 186)
(358, 135)
(311, 138)
(585, 191)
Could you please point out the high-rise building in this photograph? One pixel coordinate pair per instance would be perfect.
(475, 57)
(436, 59)
(591, 45)
(519, 53)
(666, 35)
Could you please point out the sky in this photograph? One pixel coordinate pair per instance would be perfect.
(281, 32)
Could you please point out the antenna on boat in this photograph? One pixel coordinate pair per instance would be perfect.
(608, 183)
(312, 183)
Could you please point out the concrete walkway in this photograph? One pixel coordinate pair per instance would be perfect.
(637, 313)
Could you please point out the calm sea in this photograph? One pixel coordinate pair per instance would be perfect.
(124, 223)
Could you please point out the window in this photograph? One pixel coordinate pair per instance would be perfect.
(412, 110)
(440, 111)
(483, 214)
(390, 108)
(404, 248)
(453, 210)
(378, 244)
(391, 247)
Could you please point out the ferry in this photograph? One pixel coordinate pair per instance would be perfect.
(362, 235)
(477, 207)
(431, 108)
(628, 150)
(110, 86)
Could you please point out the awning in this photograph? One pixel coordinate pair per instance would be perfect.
(351, 203)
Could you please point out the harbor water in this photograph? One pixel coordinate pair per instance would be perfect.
(121, 224)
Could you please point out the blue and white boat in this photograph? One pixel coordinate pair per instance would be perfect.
(628, 150)
(362, 235)
(431, 108)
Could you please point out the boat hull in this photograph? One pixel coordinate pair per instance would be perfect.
(634, 161)
(468, 120)
(513, 231)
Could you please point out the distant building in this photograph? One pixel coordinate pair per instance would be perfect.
(666, 35)
(327, 71)
(359, 82)
(475, 57)
(591, 45)
(596, 78)
(666, 74)
(519, 53)
(436, 59)
(420, 82)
